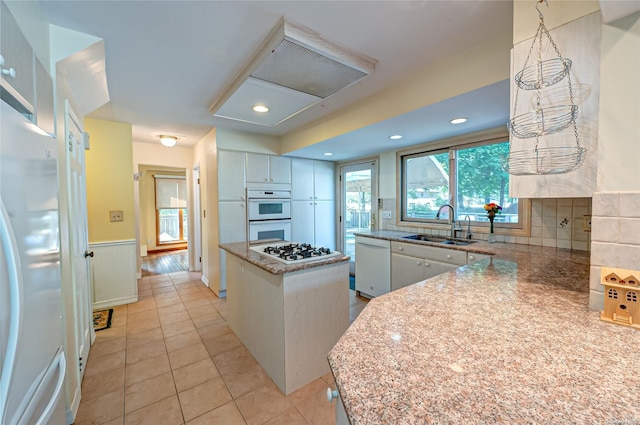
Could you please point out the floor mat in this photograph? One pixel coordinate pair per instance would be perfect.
(352, 283)
(102, 319)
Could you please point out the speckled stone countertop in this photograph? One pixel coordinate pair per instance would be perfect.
(508, 341)
(274, 266)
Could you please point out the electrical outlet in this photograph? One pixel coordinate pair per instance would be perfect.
(386, 214)
(116, 215)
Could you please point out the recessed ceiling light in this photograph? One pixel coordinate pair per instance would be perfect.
(328, 154)
(458, 120)
(260, 108)
(395, 137)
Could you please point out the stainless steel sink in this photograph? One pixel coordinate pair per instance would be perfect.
(436, 239)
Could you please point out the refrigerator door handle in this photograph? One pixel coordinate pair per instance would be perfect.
(58, 365)
(14, 271)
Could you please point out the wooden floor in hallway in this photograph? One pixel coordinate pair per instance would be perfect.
(164, 262)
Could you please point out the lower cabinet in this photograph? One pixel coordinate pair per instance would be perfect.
(407, 270)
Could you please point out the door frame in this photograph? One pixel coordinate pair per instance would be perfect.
(197, 222)
(343, 167)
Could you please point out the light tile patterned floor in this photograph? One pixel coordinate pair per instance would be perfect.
(171, 359)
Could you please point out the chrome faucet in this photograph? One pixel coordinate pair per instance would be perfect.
(469, 234)
(452, 220)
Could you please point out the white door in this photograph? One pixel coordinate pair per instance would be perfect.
(359, 194)
(78, 237)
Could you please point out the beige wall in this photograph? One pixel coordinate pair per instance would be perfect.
(109, 165)
(251, 142)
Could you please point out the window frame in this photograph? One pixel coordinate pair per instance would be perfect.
(452, 145)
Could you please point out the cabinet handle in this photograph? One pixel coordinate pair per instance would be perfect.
(310, 197)
(331, 394)
(310, 203)
(271, 179)
(471, 257)
(448, 255)
(426, 264)
(10, 72)
(418, 262)
(400, 248)
(242, 205)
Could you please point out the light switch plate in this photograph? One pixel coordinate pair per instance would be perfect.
(386, 214)
(116, 215)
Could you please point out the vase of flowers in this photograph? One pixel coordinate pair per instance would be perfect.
(492, 209)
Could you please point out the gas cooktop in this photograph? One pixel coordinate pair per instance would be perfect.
(290, 252)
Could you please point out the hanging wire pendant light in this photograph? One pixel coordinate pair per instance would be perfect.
(543, 120)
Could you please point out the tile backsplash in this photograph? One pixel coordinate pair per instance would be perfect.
(554, 223)
(616, 238)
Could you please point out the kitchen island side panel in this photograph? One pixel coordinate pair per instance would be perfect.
(316, 315)
(255, 314)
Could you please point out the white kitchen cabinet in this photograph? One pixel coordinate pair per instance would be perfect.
(302, 184)
(324, 187)
(232, 219)
(231, 175)
(373, 266)
(303, 222)
(263, 168)
(411, 263)
(313, 222)
(17, 54)
(313, 205)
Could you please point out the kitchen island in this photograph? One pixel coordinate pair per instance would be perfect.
(507, 340)
(289, 316)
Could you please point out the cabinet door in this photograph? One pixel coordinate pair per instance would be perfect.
(405, 270)
(434, 268)
(231, 175)
(302, 222)
(325, 224)
(257, 168)
(324, 180)
(302, 179)
(232, 222)
(18, 55)
(279, 169)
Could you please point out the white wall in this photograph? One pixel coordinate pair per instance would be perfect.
(250, 142)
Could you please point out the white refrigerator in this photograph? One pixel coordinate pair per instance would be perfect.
(32, 360)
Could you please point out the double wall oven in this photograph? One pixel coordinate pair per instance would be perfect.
(269, 214)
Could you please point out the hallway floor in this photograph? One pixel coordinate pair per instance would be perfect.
(171, 359)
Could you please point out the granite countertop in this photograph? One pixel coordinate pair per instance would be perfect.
(274, 266)
(507, 340)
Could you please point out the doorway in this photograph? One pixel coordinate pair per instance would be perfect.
(359, 193)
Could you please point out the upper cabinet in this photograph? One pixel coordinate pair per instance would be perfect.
(263, 168)
(26, 84)
(312, 179)
(231, 175)
(18, 56)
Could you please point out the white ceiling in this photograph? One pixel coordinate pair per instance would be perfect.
(167, 60)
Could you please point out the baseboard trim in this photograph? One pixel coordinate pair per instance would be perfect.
(115, 302)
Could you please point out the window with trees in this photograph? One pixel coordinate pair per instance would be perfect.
(466, 177)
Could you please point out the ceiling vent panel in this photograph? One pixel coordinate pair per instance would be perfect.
(296, 67)
(296, 60)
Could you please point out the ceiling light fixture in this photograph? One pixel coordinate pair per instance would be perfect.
(328, 154)
(168, 141)
(260, 108)
(395, 137)
(458, 120)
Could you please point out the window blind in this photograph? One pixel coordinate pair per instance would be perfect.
(171, 192)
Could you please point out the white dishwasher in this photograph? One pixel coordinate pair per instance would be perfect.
(373, 266)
